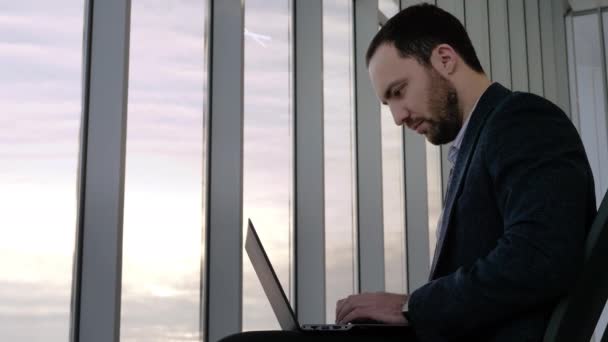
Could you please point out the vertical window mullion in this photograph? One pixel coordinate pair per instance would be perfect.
(477, 26)
(548, 50)
(96, 311)
(574, 108)
(368, 150)
(499, 35)
(309, 179)
(517, 42)
(534, 47)
(225, 201)
(559, 36)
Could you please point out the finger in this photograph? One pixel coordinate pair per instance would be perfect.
(352, 302)
(347, 306)
(339, 304)
(343, 310)
(370, 314)
(356, 314)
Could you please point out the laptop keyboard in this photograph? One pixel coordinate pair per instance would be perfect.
(326, 327)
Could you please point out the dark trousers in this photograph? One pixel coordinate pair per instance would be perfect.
(321, 336)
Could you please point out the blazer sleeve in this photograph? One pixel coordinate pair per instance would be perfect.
(540, 176)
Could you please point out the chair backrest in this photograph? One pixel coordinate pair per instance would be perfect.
(575, 317)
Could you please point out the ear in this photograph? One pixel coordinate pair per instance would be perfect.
(444, 59)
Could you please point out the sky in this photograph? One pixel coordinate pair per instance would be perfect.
(40, 64)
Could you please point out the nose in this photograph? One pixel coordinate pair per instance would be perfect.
(400, 114)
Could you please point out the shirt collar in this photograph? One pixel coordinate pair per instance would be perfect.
(453, 152)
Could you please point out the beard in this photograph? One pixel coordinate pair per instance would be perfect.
(444, 109)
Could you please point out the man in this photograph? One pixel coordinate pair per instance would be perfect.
(519, 202)
(520, 197)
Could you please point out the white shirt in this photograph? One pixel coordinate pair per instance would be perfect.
(455, 148)
(453, 156)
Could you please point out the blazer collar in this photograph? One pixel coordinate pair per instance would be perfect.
(487, 103)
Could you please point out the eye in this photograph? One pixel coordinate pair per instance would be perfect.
(398, 91)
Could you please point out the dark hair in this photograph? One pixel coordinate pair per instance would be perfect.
(418, 29)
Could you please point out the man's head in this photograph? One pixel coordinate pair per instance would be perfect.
(421, 63)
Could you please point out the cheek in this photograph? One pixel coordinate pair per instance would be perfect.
(418, 99)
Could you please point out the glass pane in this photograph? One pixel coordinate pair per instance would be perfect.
(602, 178)
(41, 63)
(572, 73)
(268, 146)
(590, 85)
(339, 153)
(393, 191)
(435, 198)
(165, 172)
(393, 204)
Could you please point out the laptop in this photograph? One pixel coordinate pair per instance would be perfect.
(278, 301)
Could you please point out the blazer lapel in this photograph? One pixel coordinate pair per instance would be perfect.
(488, 101)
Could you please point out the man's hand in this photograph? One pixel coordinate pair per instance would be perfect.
(377, 306)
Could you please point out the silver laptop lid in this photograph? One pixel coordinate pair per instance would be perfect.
(270, 282)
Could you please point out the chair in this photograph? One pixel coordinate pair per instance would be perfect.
(576, 316)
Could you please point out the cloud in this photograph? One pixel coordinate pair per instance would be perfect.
(30, 61)
(26, 305)
(154, 318)
(42, 29)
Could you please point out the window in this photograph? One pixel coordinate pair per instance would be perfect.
(393, 204)
(268, 150)
(41, 58)
(591, 96)
(165, 173)
(435, 195)
(393, 190)
(340, 198)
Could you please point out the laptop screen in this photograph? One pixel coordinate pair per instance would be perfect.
(270, 282)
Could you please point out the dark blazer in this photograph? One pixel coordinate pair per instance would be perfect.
(517, 212)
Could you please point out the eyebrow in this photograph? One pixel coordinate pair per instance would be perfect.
(387, 92)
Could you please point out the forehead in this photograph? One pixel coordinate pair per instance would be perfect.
(387, 66)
